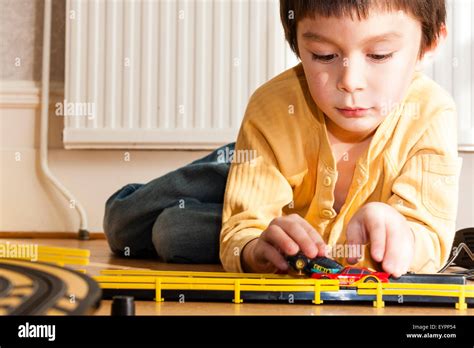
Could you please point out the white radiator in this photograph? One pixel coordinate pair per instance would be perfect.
(178, 74)
(166, 74)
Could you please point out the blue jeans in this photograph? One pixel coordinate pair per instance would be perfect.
(176, 217)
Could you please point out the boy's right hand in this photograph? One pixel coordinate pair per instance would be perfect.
(286, 235)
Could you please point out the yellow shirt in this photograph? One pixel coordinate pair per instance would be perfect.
(283, 164)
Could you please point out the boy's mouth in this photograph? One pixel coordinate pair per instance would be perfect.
(353, 111)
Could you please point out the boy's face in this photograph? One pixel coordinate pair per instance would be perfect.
(359, 70)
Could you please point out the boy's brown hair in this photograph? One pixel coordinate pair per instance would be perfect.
(430, 13)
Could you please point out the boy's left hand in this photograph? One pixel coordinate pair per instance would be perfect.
(391, 239)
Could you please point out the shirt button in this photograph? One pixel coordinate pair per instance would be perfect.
(327, 181)
(326, 213)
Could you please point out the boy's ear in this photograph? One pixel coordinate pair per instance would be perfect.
(429, 52)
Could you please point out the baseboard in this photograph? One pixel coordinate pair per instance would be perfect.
(49, 235)
(27, 94)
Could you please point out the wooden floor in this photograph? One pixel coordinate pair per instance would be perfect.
(102, 258)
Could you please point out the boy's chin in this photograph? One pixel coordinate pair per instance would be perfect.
(358, 126)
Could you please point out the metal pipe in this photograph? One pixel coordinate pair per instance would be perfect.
(83, 232)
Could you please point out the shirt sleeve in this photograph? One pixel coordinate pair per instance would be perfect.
(256, 190)
(426, 192)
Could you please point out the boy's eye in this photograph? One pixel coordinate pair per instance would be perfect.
(330, 57)
(324, 58)
(380, 57)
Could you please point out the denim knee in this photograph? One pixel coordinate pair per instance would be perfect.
(188, 235)
(127, 235)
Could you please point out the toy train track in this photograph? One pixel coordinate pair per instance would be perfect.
(341, 297)
(215, 286)
(31, 288)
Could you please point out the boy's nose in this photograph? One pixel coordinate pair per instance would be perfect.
(352, 77)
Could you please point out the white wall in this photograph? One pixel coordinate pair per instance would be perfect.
(27, 201)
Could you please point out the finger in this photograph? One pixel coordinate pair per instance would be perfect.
(314, 235)
(411, 249)
(396, 260)
(299, 235)
(322, 249)
(376, 230)
(355, 235)
(277, 237)
(391, 263)
(267, 252)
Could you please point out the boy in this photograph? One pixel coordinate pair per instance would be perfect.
(354, 147)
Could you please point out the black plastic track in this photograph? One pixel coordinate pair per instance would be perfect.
(5, 286)
(48, 289)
